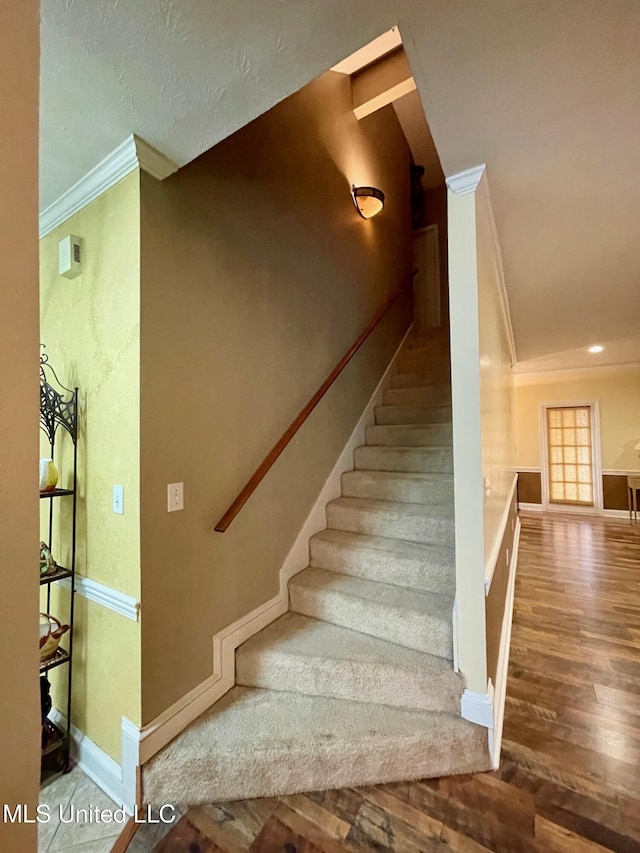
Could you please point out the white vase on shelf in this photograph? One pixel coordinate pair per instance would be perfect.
(48, 475)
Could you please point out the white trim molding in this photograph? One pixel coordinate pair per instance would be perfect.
(490, 565)
(615, 472)
(112, 599)
(520, 469)
(142, 744)
(96, 764)
(487, 709)
(131, 154)
(463, 183)
(617, 513)
(478, 707)
(530, 507)
(500, 696)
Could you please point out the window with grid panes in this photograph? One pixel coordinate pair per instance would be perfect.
(570, 455)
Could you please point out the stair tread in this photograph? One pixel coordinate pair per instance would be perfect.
(419, 510)
(255, 718)
(295, 634)
(408, 476)
(396, 547)
(427, 604)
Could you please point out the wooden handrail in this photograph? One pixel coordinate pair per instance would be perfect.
(289, 433)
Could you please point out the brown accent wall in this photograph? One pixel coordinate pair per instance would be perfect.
(529, 487)
(19, 352)
(435, 202)
(496, 599)
(257, 276)
(614, 491)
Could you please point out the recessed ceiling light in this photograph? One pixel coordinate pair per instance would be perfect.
(596, 348)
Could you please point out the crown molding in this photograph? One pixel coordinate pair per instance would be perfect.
(134, 153)
(466, 182)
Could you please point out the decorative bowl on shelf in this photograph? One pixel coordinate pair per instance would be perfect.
(48, 475)
(47, 563)
(51, 631)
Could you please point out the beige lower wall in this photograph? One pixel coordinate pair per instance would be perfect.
(19, 692)
(91, 328)
(617, 389)
(257, 276)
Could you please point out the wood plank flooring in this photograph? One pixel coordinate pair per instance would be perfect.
(569, 780)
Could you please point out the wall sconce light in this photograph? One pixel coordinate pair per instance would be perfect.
(369, 201)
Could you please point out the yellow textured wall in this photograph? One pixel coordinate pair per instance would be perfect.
(19, 693)
(618, 390)
(258, 275)
(91, 328)
(496, 382)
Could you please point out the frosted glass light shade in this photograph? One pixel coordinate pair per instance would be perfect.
(369, 201)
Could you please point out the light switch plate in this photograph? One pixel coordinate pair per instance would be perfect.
(118, 500)
(175, 497)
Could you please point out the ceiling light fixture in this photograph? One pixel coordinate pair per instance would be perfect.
(596, 348)
(369, 201)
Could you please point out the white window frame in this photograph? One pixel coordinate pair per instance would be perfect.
(598, 503)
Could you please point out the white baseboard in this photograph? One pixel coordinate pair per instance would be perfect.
(616, 513)
(495, 737)
(144, 743)
(478, 707)
(607, 513)
(96, 764)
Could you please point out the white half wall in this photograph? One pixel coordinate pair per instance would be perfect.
(482, 354)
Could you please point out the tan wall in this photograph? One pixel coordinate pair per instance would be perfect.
(257, 275)
(435, 206)
(618, 390)
(91, 328)
(19, 692)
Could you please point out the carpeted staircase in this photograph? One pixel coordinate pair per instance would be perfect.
(355, 684)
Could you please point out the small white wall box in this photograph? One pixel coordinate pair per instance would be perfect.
(70, 256)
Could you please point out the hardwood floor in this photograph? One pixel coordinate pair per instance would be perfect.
(569, 780)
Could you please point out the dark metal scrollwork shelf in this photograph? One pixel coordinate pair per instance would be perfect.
(58, 408)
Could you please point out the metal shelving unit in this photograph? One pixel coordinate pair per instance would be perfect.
(58, 409)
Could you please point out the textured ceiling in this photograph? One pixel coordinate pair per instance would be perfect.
(182, 74)
(546, 92)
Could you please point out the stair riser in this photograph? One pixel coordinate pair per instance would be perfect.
(431, 365)
(353, 680)
(412, 415)
(409, 436)
(386, 486)
(251, 775)
(417, 460)
(434, 394)
(421, 341)
(439, 531)
(434, 574)
(417, 380)
(412, 630)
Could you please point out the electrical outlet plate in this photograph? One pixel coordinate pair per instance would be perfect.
(118, 500)
(175, 497)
